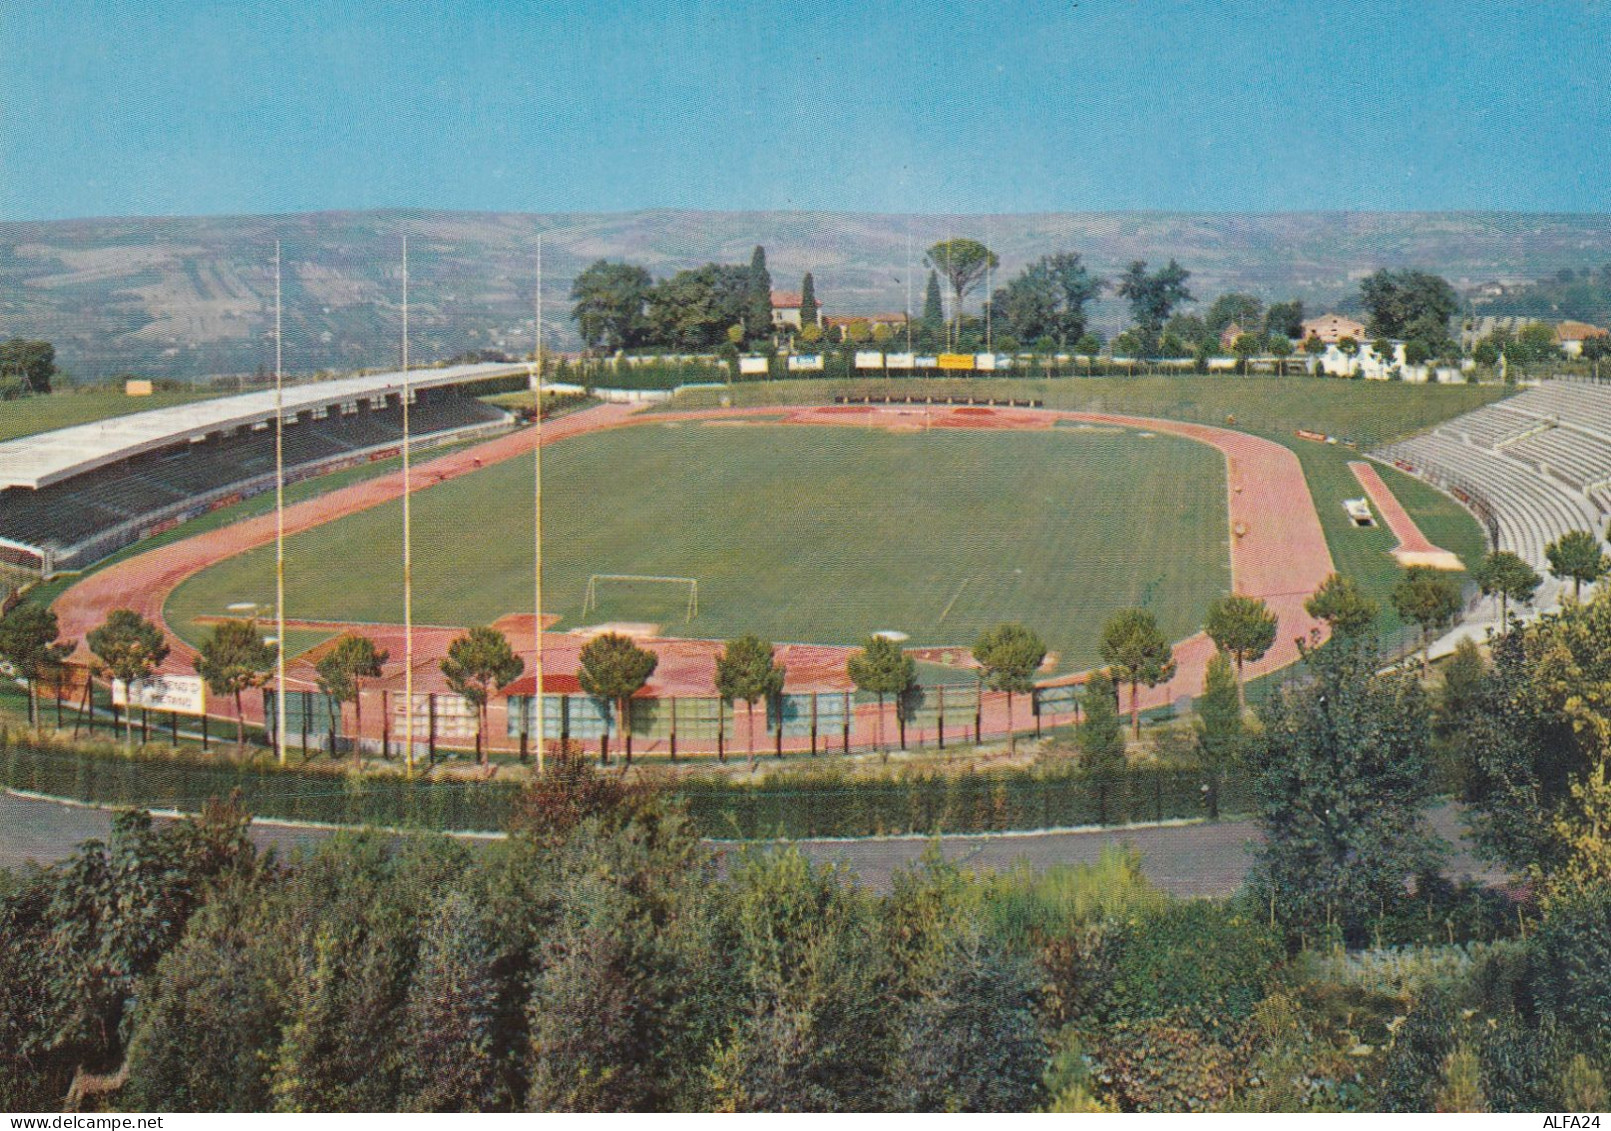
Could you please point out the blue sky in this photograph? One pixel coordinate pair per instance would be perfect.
(171, 108)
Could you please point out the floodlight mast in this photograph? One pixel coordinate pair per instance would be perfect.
(537, 505)
(408, 548)
(279, 520)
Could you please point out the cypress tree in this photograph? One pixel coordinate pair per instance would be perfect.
(1101, 734)
(933, 309)
(808, 301)
(1219, 719)
(758, 312)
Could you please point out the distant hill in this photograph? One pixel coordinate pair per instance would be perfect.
(193, 297)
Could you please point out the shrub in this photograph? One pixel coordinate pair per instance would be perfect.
(1572, 963)
(1166, 1064)
(1208, 961)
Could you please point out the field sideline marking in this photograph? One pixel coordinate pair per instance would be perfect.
(954, 597)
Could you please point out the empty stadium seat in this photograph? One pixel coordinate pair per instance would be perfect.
(94, 505)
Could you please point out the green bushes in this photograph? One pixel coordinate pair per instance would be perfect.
(184, 782)
(835, 805)
(1210, 962)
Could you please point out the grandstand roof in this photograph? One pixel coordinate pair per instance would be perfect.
(49, 457)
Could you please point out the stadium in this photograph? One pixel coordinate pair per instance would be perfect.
(925, 510)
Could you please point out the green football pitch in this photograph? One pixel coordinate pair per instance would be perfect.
(818, 535)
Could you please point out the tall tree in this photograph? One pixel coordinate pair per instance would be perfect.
(1136, 650)
(1101, 733)
(1409, 304)
(1285, 319)
(819, 1020)
(1463, 677)
(964, 263)
(882, 668)
(352, 658)
(933, 310)
(1428, 598)
(1537, 746)
(808, 301)
(1246, 311)
(1153, 297)
(32, 361)
(758, 310)
(1008, 656)
(614, 668)
(1219, 724)
(1243, 628)
(1340, 604)
(129, 648)
(1596, 350)
(1504, 574)
(1577, 555)
(1047, 300)
(693, 310)
(477, 662)
(632, 992)
(609, 305)
(28, 642)
(233, 659)
(1342, 779)
(746, 671)
(453, 1013)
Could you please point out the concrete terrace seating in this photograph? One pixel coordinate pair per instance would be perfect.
(1492, 425)
(80, 509)
(1581, 458)
(1572, 404)
(1530, 510)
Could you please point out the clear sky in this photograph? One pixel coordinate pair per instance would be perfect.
(163, 107)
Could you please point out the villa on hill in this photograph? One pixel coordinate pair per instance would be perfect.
(1333, 328)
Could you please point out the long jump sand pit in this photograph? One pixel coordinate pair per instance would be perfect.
(1414, 548)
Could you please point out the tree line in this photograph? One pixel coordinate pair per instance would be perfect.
(235, 657)
(1045, 307)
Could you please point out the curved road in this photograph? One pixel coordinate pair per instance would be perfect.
(1205, 859)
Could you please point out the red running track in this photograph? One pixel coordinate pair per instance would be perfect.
(1278, 552)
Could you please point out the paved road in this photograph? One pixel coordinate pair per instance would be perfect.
(1186, 860)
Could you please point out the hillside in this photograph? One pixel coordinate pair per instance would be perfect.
(191, 297)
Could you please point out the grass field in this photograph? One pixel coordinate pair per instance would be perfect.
(1365, 553)
(28, 415)
(798, 534)
(1369, 412)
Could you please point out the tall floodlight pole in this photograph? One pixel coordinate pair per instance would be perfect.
(908, 284)
(279, 521)
(990, 349)
(408, 548)
(537, 504)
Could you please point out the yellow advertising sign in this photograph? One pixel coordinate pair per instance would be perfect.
(956, 361)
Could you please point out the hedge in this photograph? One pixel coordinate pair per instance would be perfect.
(825, 804)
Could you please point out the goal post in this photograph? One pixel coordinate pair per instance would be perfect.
(590, 600)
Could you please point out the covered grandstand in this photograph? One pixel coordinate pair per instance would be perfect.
(71, 497)
(1532, 467)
